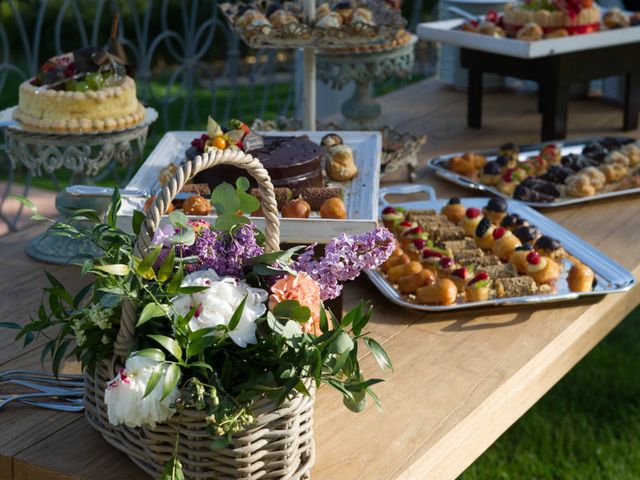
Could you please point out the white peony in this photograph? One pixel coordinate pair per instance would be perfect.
(124, 393)
(216, 305)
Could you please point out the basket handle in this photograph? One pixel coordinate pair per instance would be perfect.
(190, 169)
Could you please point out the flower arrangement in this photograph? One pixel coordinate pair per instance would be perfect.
(220, 322)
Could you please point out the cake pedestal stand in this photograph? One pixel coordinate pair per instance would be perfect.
(338, 69)
(85, 155)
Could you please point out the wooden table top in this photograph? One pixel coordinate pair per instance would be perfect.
(461, 379)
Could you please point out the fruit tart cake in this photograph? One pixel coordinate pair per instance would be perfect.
(464, 254)
(83, 91)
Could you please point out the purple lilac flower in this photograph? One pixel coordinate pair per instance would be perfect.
(344, 258)
(226, 253)
(161, 236)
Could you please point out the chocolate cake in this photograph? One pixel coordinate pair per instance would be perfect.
(293, 162)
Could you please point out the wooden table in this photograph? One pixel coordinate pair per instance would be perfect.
(461, 379)
(554, 75)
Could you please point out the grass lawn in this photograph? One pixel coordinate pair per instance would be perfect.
(586, 427)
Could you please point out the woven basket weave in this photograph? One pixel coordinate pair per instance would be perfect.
(280, 443)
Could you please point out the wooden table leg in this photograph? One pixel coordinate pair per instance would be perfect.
(631, 101)
(554, 111)
(474, 99)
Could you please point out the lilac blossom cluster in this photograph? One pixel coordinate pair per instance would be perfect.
(224, 252)
(344, 258)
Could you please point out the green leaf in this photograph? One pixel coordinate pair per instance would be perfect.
(58, 356)
(362, 386)
(152, 353)
(145, 267)
(242, 184)
(248, 203)
(11, 325)
(167, 266)
(136, 221)
(204, 365)
(225, 199)
(342, 343)
(172, 469)
(116, 202)
(184, 236)
(360, 322)
(110, 300)
(264, 271)
(178, 219)
(235, 318)
(351, 315)
(220, 442)
(81, 294)
(26, 202)
(117, 269)
(289, 330)
(302, 388)
(199, 345)
(171, 379)
(324, 323)
(152, 310)
(272, 257)
(284, 308)
(375, 398)
(192, 289)
(169, 344)
(155, 377)
(227, 221)
(357, 402)
(176, 281)
(378, 353)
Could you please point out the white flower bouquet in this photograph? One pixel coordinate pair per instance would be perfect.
(203, 344)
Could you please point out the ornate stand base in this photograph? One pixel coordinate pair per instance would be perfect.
(51, 248)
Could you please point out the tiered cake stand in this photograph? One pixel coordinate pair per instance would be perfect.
(85, 155)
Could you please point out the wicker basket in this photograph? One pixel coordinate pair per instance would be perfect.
(279, 445)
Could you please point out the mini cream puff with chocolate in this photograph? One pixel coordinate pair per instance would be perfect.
(543, 270)
(495, 210)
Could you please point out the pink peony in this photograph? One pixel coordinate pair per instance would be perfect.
(305, 290)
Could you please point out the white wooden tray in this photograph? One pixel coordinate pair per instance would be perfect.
(360, 194)
(446, 32)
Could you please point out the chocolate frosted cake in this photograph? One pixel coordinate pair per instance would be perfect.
(293, 162)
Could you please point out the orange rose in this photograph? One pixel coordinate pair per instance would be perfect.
(305, 290)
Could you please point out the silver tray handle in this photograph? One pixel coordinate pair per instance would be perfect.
(406, 189)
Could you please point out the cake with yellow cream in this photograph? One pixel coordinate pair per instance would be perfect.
(84, 91)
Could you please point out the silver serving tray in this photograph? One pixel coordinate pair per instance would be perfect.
(611, 276)
(438, 165)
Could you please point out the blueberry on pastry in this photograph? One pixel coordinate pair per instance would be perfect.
(483, 235)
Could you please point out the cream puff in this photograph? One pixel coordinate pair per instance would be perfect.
(551, 153)
(505, 243)
(513, 221)
(495, 210)
(632, 152)
(519, 257)
(581, 278)
(460, 277)
(527, 234)
(443, 292)
(399, 271)
(490, 173)
(394, 261)
(614, 171)
(478, 288)
(549, 247)
(510, 150)
(544, 270)
(483, 236)
(471, 220)
(454, 210)
(411, 283)
(392, 216)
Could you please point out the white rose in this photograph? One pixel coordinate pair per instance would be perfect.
(124, 395)
(217, 304)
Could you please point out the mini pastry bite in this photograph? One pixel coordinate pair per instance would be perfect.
(315, 196)
(416, 233)
(508, 181)
(617, 157)
(443, 292)
(527, 234)
(281, 17)
(632, 152)
(460, 277)
(415, 247)
(506, 161)
(519, 257)
(550, 247)
(341, 166)
(392, 216)
(596, 177)
(329, 20)
(491, 173)
(531, 32)
(333, 208)
(511, 151)
(411, 283)
(495, 210)
(515, 287)
(579, 186)
(616, 18)
(431, 256)
(249, 16)
(559, 33)
(483, 236)
(471, 220)
(614, 171)
(581, 278)
(445, 266)
(491, 29)
(331, 140)
(404, 227)
(464, 165)
(501, 270)
(149, 202)
(399, 271)
(505, 243)
(345, 10)
(551, 154)
(512, 221)
(394, 261)
(362, 15)
(298, 208)
(543, 270)
(478, 288)
(196, 205)
(537, 164)
(454, 210)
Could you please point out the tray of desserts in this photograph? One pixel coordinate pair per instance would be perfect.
(548, 175)
(270, 24)
(536, 33)
(325, 183)
(473, 252)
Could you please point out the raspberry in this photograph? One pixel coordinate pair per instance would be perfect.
(418, 243)
(427, 252)
(406, 223)
(446, 262)
(389, 210)
(473, 212)
(499, 233)
(460, 273)
(534, 258)
(415, 231)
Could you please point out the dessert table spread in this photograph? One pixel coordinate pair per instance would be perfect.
(461, 378)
